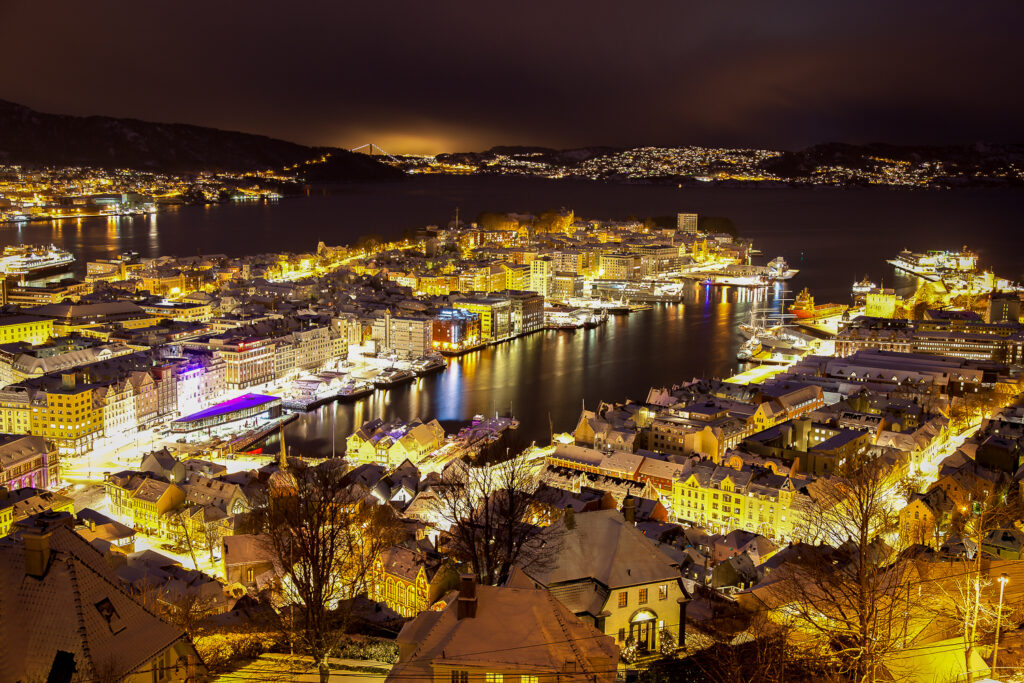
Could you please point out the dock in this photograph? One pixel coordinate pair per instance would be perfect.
(245, 440)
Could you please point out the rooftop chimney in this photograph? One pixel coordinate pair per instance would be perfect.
(37, 547)
(629, 509)
(466, 608)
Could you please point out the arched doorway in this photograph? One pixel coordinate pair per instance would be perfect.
(643, 630)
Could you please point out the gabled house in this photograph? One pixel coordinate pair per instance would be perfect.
(497, 633)
(163, 464)
(610, 575)
(66, 617)
(246, 560)
(410, 580)
(1007, 544)
(924, 516)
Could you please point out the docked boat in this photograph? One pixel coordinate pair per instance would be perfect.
(428, 365)
(778, 269)
(354, 390)
(804, 308)
(933, 264)
(310, 391)
(26, 261)
(741, 275)
(863, 287)
(393, 377)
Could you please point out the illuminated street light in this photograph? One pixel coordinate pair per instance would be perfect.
(1003, 579)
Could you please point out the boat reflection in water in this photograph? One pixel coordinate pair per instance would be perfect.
(553, 374)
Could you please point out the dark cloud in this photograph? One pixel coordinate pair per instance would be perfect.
(465, 75)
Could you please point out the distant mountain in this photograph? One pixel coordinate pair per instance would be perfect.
(975, 162)
(34, 138)
(825, 164)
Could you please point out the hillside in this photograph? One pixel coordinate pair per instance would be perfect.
(34, 138)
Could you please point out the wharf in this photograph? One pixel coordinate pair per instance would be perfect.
(247, 439)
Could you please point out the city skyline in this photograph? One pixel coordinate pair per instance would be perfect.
(462, 78)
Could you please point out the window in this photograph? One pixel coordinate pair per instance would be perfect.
(460, 677)
(643, 596)
(623, 599)
(494, 678)
(663, 591)
(622, 635)
(527, 678)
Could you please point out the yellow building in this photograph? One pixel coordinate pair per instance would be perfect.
(495, 316)
(68, 415)
(21, 503)
(147, 504)
(517, 276)
(391, 443)
(724, 498)
(15, 410)
(408, 581)
(881, 303)
(25, 328)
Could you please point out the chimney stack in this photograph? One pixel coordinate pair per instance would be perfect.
(629, 509)
(37, 549)
(466, 608)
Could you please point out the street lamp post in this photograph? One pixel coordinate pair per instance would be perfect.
(1003, 578)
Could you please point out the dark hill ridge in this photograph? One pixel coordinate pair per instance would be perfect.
(34, 138)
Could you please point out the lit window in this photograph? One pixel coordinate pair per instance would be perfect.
(494, 678)
(623, 599)
(643, 596)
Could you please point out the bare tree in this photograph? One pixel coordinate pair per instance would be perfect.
(487, 511)
(969, 597)
(762, 651)
(324, 540)
(851, 593)
(184, 519)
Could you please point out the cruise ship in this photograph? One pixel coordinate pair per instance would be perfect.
(28, 260)
(933, 265)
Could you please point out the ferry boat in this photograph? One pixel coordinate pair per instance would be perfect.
(863, 287)
(933, 264)
(803, 307)
(27, 260)
(741, 275)
(393, 377)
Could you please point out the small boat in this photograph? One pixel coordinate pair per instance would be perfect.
(427, 365)
(393, 377)
(354, 390)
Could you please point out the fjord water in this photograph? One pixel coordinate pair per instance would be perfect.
(833, 236)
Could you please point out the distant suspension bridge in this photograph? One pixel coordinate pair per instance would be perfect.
(370, 148)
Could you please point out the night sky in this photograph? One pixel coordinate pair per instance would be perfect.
(459, 75)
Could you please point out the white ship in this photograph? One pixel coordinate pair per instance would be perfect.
(740, 275)
(27, 260)
(933, 265)
(863, 287)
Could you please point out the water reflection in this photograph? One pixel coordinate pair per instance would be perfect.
(552, 372)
